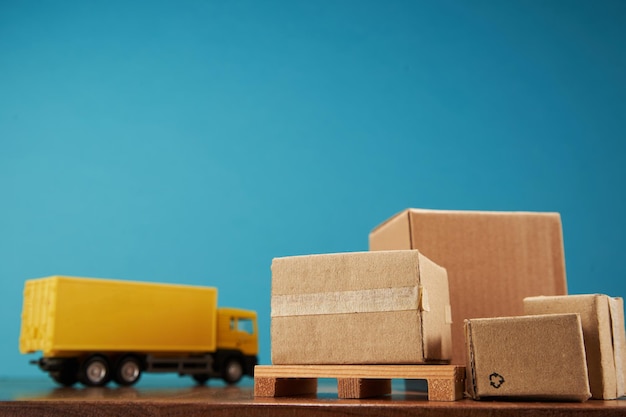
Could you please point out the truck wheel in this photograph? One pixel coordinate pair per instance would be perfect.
(127, 371)
(95, 371)
(232, 371)
(201, 379)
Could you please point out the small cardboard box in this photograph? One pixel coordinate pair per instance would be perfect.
(534, 357)
(493, 259)
(359, 308)
(602, 319)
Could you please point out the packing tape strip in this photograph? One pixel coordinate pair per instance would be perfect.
(358, 301)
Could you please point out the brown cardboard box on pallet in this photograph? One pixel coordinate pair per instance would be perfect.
(389, 307)
(534, 357)
(602, 320)
(493, 259)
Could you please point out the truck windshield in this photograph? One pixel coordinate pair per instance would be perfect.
(245, 325)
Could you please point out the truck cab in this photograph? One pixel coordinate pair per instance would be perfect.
(237, 330)
(237, 343)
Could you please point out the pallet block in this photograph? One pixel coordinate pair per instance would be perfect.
(445, 382)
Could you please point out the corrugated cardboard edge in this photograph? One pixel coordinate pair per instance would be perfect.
(470, 381)
(603, 327)
(491, 212)
(618, 335)
(407, 211)
(436, 310)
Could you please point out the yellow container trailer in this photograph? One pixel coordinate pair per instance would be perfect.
(97, 330)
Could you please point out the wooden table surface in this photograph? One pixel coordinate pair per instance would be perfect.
(179, 397)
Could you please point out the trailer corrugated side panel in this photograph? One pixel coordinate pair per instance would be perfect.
(38, 315)
(84, 314)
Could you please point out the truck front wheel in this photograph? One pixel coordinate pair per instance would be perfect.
(95, 371)
(232, 371)
(127, 371)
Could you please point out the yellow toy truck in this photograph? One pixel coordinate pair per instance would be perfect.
(98, 330)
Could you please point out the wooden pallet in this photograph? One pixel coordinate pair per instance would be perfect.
(445, 382)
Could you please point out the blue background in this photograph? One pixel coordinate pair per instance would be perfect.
(194, 141)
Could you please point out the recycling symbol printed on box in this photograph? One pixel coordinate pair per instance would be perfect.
(496, 380)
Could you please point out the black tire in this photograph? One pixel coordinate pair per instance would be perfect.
(65, 377)
(95, 371)
(201, 379)
(232, 370)
(127, 371)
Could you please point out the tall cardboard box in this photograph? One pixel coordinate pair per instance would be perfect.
(359, 308)
(493, 259)
(602, 319)
(534, 357)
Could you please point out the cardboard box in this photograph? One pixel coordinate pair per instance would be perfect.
(535, 357)
(602, 320)
(493, 259)
(360, 308)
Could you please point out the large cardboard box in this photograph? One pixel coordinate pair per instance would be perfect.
(359, 308)
(538, 357)
(602, 320)
(493, 259)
